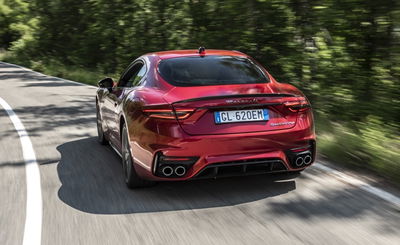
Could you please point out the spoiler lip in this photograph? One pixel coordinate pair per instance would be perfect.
(235, 96)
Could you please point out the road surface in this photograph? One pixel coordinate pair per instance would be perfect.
(84, 199)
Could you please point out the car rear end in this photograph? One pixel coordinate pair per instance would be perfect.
(215, 125)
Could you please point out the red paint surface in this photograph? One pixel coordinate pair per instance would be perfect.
(197, 135)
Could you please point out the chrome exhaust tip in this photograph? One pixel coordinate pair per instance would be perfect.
(299, 161)
(180, 171)
(307, 159)
(167, 171)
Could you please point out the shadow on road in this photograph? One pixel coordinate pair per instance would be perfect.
(92, 181)
(79, 113)
(54, 103)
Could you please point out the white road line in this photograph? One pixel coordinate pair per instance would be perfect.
(33, 219)
(360, 184)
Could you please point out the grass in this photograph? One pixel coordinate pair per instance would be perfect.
(77, 74)
(55, 68)
(370, 145)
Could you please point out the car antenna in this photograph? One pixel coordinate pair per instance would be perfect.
(202, 51)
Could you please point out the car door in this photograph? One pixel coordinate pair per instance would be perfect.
(128, 81)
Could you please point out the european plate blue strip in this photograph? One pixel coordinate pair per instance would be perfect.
(217, 117)
(266, 114)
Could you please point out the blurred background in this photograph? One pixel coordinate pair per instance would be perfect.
(344, 54)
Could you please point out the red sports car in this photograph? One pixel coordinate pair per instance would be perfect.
(191, 114)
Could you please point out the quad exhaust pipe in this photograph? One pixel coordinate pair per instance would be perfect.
(300, 160)
(167, 171)
(302, 156)
(172, 166)
(180, 171)
(307, 159)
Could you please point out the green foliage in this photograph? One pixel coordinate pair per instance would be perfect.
(369, 145)
(344, 54)
(14, 15)
(69, 72)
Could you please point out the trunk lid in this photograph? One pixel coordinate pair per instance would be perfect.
(207, 101)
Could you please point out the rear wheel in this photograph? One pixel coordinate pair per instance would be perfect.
(100, 132)
(132, 179)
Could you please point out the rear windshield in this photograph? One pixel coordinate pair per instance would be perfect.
(210, 70)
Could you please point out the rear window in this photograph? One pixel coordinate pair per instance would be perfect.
(210, 70)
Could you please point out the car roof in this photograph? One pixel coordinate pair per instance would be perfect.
(194, 52)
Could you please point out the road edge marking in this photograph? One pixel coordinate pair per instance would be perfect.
(33, 216)
(389, 197)
(39, 73)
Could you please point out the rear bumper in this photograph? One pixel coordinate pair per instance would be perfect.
(224, 155)
(241, 167)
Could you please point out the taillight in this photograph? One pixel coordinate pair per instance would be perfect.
(183, 113)
(168, 113)
(298, 105)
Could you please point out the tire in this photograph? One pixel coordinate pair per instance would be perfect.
(101, 138)
(132, 179)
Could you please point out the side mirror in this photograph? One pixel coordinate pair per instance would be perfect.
(107, 83)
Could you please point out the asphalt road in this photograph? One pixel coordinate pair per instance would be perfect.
(85, 200)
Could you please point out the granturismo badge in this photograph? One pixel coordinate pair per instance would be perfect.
(281, 123)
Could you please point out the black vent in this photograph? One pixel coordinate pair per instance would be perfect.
(242, 167)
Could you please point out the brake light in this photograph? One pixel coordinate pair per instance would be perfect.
(183, 113)
(168, 113)
(298, 106)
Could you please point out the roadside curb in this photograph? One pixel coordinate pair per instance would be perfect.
(357, 182)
